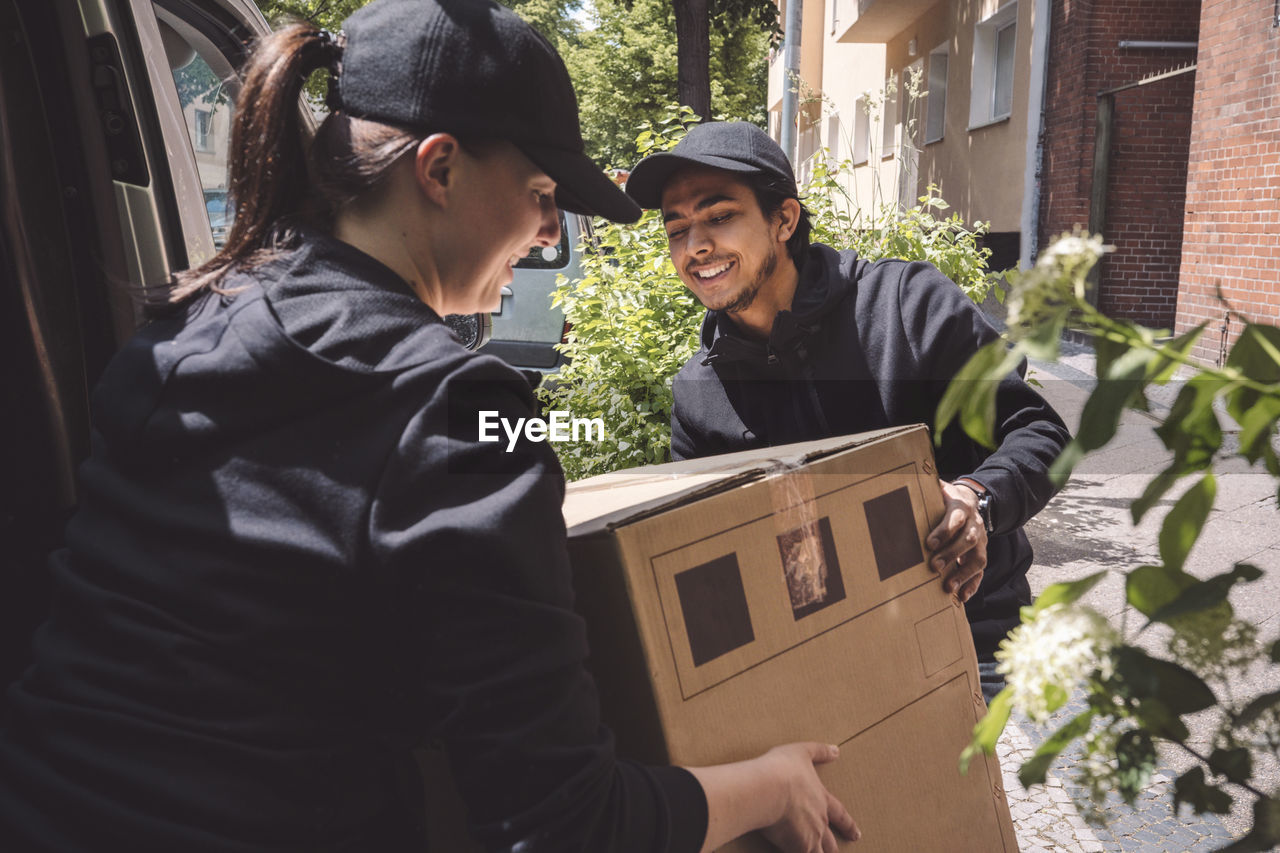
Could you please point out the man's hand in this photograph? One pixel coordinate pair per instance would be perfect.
(958, 545)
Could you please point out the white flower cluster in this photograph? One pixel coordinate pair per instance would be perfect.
(1060, 272)
(1071, 249)
(1045, 659)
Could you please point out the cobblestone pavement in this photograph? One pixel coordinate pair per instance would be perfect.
(1046, 819)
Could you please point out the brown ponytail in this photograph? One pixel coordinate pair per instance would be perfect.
(275, 173)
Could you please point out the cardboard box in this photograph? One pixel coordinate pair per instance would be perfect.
(741, 601)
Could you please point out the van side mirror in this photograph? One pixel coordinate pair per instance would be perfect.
(471, 330)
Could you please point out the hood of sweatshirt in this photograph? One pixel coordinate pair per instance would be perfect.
(274, 346)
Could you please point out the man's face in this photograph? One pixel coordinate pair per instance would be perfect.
(722, 245)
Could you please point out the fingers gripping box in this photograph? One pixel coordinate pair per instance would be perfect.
(738, 602)
(741, 601)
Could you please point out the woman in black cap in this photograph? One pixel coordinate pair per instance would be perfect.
(293, 561)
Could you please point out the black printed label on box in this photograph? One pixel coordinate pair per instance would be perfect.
(715, 608)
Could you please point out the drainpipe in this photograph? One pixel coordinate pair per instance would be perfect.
(1101, 180)
(790, 76)
(1030, 243)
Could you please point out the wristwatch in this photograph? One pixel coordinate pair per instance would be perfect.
(984, 504)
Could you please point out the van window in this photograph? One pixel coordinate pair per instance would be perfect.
(205, 96)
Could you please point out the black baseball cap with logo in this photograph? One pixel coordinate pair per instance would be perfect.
(735, 146)
(474, 68)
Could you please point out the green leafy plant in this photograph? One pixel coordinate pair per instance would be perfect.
(889, 231)
(1138, 702)
(633, 325)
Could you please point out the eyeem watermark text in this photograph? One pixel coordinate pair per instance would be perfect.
(560, 427)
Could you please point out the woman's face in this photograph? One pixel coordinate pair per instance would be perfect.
(505, 205)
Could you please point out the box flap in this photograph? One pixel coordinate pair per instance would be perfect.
(622, 497)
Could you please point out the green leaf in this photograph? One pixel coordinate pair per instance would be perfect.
(1265, 834)
(1116, 389)
(1066, 462)
(1155, 490)
(1135, 763)
(1257, 427)
(1191, 428)
(1201, 595)
(988, 729)
(1149, 588)
(1182, 525)
(1177, 688)
(1172, 355)
(1256, 354)
(1043, 343)
(1055, 696)
(1235, 764)
(1258, 707)
(971, 395)
(1035, 768)
(1192, 789)
(1065, 593)
(1107, 349)
(1156, 717)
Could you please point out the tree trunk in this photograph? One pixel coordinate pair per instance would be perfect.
(693, 56)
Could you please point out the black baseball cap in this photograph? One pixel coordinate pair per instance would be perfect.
(474, 68)
(735, 146)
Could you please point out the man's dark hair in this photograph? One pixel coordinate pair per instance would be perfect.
(770, 193)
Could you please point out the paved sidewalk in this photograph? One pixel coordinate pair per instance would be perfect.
(1046, 818)
(1087, 527)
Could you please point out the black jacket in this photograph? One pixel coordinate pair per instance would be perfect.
(292, 563)
(868, 346)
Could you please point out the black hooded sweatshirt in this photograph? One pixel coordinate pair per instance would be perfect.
(867, 346)
(294, 562)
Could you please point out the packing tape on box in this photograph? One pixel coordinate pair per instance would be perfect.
(791, 493)
(805, 561)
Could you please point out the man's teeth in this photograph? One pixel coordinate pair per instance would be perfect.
(712, 271)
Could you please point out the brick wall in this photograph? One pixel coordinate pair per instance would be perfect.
(1232, 223)
(1149, 150)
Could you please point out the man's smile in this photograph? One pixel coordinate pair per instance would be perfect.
(707, 274)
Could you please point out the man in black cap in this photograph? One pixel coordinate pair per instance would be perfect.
(803, 342)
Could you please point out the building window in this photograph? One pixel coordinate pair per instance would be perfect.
(203, 124)
(861, 130)
(994, 49)
(936, 118)
(833, 138)
(889, 118)
(1003, 96)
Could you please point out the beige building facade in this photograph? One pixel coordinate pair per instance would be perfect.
(915, 93)
(839, 113)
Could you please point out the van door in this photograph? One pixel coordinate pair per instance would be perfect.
(528, 328)
(102, 192)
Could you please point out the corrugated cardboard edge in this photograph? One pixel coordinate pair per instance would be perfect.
(740, 469)
(619, 641)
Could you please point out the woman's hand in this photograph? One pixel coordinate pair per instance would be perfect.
(780, 794)
(812, 815)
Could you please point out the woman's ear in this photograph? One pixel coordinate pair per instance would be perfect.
(435, 164)
(788, 217)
